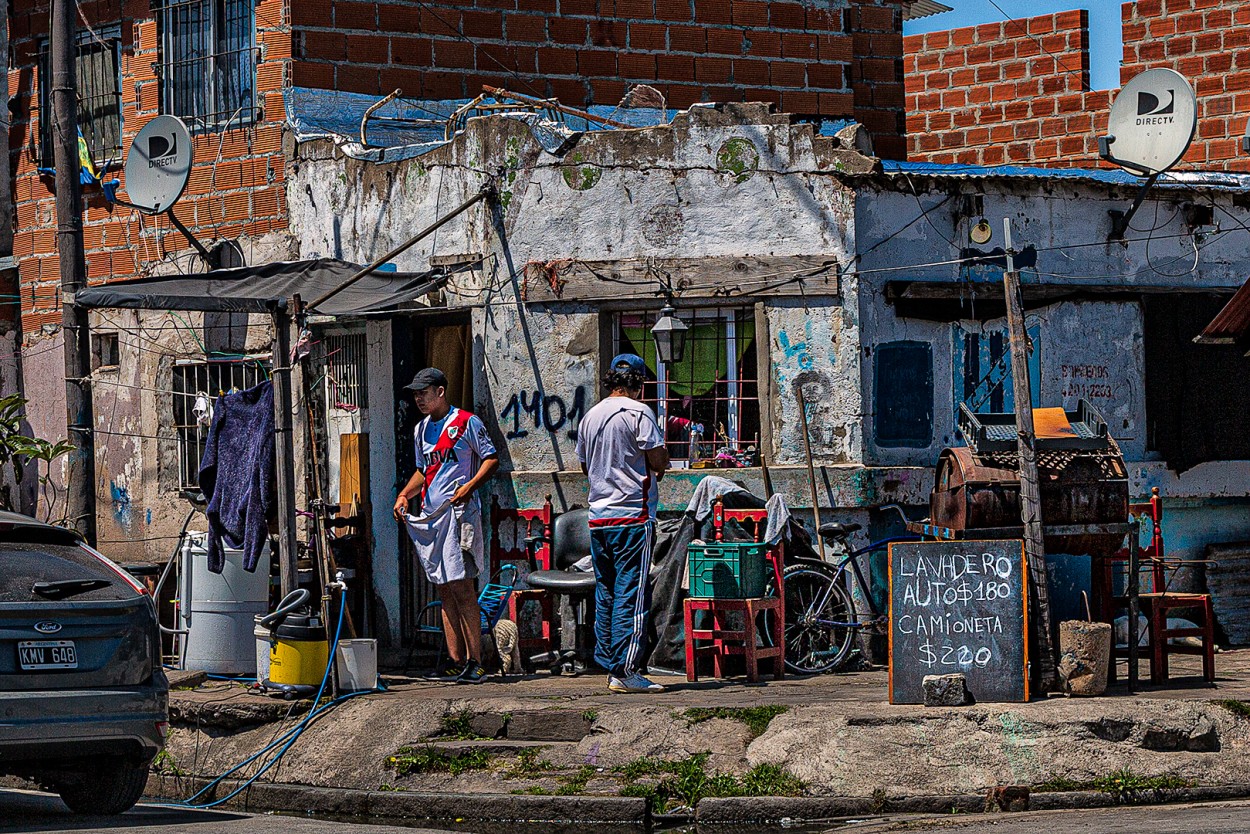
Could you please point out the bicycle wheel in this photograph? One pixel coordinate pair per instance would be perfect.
(819, 618)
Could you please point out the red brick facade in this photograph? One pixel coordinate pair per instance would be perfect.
(236, 187)
(1017, 92)
(830, 59)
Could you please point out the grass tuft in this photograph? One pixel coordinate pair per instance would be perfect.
(407, 760)
(1241, 709)
(1129, 788)
(458, 726)
(684, 782)
(757, 719)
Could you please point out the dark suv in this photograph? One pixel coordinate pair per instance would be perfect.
(83, 698)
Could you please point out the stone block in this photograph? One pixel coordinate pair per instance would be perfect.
(945, 690)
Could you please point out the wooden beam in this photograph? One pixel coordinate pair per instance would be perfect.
(713, 277)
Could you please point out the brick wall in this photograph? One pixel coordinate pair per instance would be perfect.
(830, 58)
(236, 187)
(1017, 91)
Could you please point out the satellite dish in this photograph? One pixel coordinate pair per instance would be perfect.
(158, 164)
(1152, 123)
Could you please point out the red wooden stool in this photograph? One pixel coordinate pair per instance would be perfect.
(725, 639)
(528, 524)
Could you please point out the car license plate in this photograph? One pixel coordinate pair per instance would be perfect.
(33, 655)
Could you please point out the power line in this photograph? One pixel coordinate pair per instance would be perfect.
(1025, 29)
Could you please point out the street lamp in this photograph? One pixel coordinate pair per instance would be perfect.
(670, 336)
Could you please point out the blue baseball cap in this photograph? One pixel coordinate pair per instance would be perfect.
(629, 362)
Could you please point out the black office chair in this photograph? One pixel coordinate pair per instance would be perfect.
(569, 544)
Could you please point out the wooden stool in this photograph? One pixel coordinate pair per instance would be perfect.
(535, 523)
(726, 640)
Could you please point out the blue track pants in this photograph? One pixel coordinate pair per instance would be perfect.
(621, 554)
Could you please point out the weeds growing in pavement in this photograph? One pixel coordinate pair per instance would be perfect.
(576, 782)
(1241, 709)
(407, 760)
(1060, 784)
(458, 726)
(528, 763)
(684, 782)
(1129, 788)
(757, 719)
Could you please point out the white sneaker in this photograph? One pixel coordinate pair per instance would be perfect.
(634, 683)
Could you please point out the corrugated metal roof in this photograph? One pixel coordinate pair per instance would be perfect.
(1173, 179)
(1232, 324)
(923, 8)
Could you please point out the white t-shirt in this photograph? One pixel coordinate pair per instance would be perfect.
(456, 465)
(611, 439)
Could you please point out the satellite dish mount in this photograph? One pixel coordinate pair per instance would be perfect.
(158, 166)
(1151, 125)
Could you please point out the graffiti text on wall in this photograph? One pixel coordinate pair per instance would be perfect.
(548, 411)
(1090, 382)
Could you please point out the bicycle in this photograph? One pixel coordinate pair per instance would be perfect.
(821, 620)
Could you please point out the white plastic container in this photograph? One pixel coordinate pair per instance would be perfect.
(263, 645)
(357, 665)
(219, 609)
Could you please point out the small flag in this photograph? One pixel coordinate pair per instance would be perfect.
(88, 175)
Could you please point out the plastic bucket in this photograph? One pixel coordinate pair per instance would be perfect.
(357, 664)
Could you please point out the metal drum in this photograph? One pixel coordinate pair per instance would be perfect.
(219, 610)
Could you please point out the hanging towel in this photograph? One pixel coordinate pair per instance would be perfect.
(237, 475)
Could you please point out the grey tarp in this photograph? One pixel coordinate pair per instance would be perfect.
(258, 289)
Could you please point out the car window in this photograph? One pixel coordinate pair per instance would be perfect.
(23, 564)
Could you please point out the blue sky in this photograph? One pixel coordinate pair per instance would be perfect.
(1104, 27)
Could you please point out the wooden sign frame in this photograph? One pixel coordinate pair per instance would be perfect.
(1024, 603)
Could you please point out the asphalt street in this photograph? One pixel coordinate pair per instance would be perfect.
(1203, 818)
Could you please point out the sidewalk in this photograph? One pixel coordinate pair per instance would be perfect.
(829, 736)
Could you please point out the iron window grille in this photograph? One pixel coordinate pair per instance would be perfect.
(714, 386)
(208, 62)
(196, 387)
(98, 70)
(345, 361)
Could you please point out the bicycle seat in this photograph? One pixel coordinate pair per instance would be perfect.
(838, 530)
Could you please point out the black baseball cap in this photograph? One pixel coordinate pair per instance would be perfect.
(427, 378)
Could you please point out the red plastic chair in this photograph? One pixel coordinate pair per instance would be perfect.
(726, 640)
(526, 523)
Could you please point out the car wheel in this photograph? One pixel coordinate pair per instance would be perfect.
(110, 787)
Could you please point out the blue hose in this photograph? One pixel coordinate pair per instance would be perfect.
(285, 740)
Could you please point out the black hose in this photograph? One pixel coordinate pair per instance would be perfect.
(289, 603)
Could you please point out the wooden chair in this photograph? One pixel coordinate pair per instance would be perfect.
(525, 524)
(1159, 602)
(725, 639)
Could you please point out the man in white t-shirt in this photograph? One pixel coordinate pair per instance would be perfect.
(622, 453)
(455, 456)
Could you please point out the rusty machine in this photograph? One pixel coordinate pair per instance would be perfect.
(1083, 481)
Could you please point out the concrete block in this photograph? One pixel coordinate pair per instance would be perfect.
(945, 690)
(548, 725)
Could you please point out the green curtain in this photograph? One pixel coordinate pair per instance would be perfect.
(703, 361)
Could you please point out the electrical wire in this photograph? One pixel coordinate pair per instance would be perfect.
(1025, 29)
(477, 50)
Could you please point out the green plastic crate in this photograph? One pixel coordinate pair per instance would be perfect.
(728, 570)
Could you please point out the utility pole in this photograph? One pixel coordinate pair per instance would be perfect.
(1030, 492)
(69, 244)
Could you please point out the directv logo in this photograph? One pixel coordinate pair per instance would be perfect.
(1152, 111)
(162, 150)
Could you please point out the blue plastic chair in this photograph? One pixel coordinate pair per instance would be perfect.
(493, 602)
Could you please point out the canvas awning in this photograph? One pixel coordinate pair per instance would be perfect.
(259, 289)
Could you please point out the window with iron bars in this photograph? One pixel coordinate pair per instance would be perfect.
(98, 71)
(345, 364)
(708, 404)
(196, 387)
(208, 62)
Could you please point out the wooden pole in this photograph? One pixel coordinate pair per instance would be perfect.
(1044, 674)
(811, 471)
(284, 448)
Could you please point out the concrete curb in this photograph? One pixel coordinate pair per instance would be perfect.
(270, 796)
(757, 809)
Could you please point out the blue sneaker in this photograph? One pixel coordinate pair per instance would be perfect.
(633, 683)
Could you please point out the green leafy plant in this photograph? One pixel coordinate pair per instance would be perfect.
(1058, 784)
(17, 449)
(576, 782)
(458, 726)
(1129, 788)
(407, 760)
(528, 763)
(684, 782)
(1241, 709)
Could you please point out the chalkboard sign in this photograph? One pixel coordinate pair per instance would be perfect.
(959, 606)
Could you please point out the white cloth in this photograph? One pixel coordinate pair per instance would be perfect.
(444, 539)
(459, 463)
(713, 487)
(611, 440)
